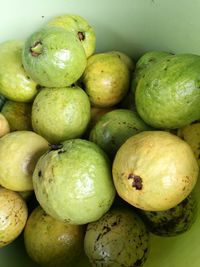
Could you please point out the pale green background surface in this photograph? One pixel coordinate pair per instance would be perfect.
(132, 26)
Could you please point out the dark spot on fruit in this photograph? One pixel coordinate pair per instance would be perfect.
(137, 181)
(81, 36)
(39, 173)
(55, 146)
(50, 180)
(36, 49)
(27, 77)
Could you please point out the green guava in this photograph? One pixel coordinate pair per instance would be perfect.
(119, 238)
(59, 114)
(114, 128)
(18, 115)
(106, 79)
(168, 95)
(19, 152)
(4, 125)
(155, 170)
(73, 182)
(80, 27)
(54, 57)
(13, 216)
(191, 134)
(15, 84)
(52, 243)
(174, 221)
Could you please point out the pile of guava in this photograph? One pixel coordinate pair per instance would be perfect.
(98, 151)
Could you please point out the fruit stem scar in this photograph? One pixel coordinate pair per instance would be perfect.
(81, 36)
(55, 146)
(36, 49)
(137, 181)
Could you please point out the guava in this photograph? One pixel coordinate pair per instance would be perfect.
(15, 84)
(4, 125)
(168, 95)
(106, 79)
(80, 27)
(59, 114)
(114, 128)
(126, 58)
(119, 238)
(52, 243)
(155, 170)
(54, 57)
(174, 221)
(18, 115)
(19, 152)
(191, 134)
(73, 182)
(13, 216)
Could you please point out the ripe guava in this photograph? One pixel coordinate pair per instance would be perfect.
(4, 125)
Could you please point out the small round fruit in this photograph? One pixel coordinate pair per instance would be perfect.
(106, 79)
(13, 216)
(80, 27)
(4, 125)
(118, 239)
(52, 243)
(54, 57)
(174, 221)
(59, 114)
(168, 95)
(73, 182)
(155, 170)
(114, 128)
(19, 152)
(191, 134)
(18, 115)
(15, 84)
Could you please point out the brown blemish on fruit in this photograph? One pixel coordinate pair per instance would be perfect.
(81, 36)
(36, 49)
(137, 181)
(55, 146)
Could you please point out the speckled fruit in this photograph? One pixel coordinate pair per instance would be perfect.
(174, 221)
(118, 239)
(155, 170)
(59, 114)
(50, 242)
(13, 216)
(106, 79)
(54, 57)
(73, 182)
(19, 152)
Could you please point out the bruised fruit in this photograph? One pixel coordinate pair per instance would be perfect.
(19, 152)
(13, 216)
(59, 114)
(54, 57)
(50, 242)
(118, 239)
(73, 182)
(155, 170)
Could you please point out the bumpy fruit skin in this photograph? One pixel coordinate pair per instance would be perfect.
(13, 216)
(15, 84)
(18, 115)
(155, 170)
(114, 128)
(19, 152)
(73, 182)
(59, 114)
(191, 134)
(4, 125)
(168, 95)
(174, 221)
(106, 79)
(80, 27)
(54, 57)
(50, 242)
(118, 239)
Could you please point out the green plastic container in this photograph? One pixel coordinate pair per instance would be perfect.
(131, 26)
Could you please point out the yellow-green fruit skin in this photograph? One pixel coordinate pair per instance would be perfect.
(4, 125)
(15, 84)
(155, 170)
(50, 242)
(19, 152)
(13, 216)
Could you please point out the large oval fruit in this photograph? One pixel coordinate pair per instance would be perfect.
(155, 170)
